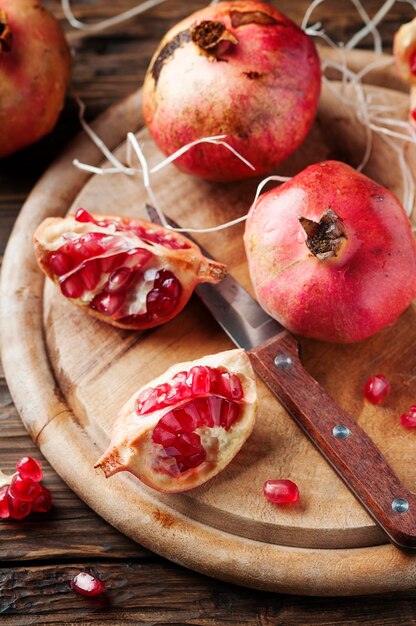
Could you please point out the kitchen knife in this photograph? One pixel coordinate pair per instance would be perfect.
(274, 354)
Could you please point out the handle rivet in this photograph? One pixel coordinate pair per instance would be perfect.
(340, 431)
(283, 361)
(400, 505)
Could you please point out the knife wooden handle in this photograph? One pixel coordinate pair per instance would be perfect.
(339, 438)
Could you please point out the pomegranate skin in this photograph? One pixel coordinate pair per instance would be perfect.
(261, 92)
(34, 74)
(346, 297)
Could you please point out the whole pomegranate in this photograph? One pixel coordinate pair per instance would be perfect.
(331, 254)
(125, 271)
(34, 73)
(241, 69)
(187, 425)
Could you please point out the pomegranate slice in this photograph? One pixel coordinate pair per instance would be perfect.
(185, 426)
(127, 272)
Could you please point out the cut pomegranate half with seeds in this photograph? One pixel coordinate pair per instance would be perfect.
(125, 271)
(185, 426)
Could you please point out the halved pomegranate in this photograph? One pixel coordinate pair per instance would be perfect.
(185, 426)
(125, 271)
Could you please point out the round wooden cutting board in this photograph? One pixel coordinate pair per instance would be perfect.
(69, 374)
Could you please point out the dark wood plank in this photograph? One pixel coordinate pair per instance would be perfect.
(166, 594)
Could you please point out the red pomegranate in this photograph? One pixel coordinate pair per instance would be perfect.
(127, 272)
(331, 254)
(241, 69)
(185, 426)
(34, 73)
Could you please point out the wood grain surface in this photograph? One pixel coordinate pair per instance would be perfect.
(107, 66)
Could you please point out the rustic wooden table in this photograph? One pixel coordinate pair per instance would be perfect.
(39, 556)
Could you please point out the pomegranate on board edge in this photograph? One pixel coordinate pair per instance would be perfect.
(34, 73)
(242, 69)
(184, 427)
(125, 271)
(331, 254)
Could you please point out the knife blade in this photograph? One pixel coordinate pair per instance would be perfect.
(274, 354)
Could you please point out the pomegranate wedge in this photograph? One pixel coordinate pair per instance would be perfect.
(184, 427)
(125, 271)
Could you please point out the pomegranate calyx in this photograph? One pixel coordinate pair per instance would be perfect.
(212, 271)
(212, 37)
(6, 35)
(325, 237)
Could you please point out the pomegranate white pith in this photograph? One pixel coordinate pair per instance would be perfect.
(127, 272)
(210, 424)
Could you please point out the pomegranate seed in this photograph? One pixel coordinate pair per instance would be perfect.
(30, 468)
(413, 114)
(175, 431)
(18, 508)
(83, 216)
(87, 585)
(281, 491)
(376, 388)
(408, 420)
(119, 280)
(72, 287)
(4, 504)
(89, 245)
(60, 263)
(24, 489)
(108, 303)
(90, 274)
(138, 257)
(113, 262)
(43, 502)
(198, 380)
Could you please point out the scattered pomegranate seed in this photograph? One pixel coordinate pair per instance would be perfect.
(4, 504)
(18, 508)
(281, 491)
(43, 502)
(24, 493)
(376, 388)
(408, 420)
(87, 585)
(30, 468)
(24, 489)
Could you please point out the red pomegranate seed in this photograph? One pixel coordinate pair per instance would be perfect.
(43, 503)
(119, 280)
(90, 274)
(72, 287)
(24, 489)
(376, 388)
(113, 262)
(4, 504)
(30, 468)
(18, 508)
(90, 245)
(83, 216)
(281, 491)
(408, 420)
(175, 431)
(87, 585)
(61, 263)
(137, 257)
(108, 303)
(198, 380)
(413, 114)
